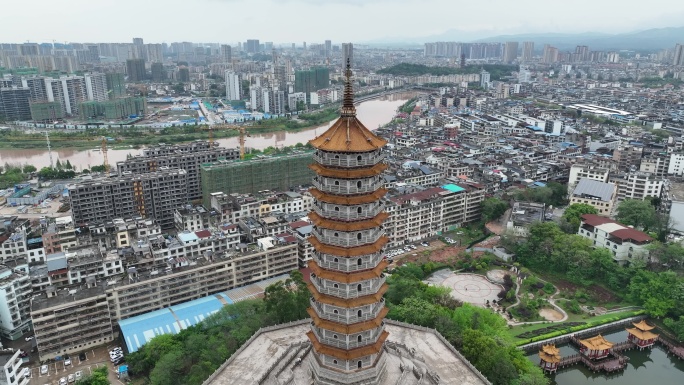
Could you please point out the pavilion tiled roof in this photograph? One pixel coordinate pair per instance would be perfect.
(597, 343)
(550, 353)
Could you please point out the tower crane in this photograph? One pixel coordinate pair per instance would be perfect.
(241, 129)
(104, 154)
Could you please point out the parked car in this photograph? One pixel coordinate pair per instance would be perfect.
(28, 338)
(25, 373)
(78, 375)
(44, 369)
(71, 378)
(63, 381)
(67, 361)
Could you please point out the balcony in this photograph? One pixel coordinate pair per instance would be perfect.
(339, 343)
(348, 291)
(348, 189)
(342, 318)
(347, 213)
(348, 239)
(348, 265)
(345, 160)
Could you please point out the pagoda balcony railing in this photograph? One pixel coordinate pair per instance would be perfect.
(348, 215)
(349, 189)
(339, 343)
(350, 291)
(351, 266)
(348, 239)
(341, 318)
(349, 161)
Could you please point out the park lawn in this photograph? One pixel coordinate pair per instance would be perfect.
(469, 235)
(516, 330)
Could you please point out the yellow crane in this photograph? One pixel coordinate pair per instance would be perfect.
(241, 129)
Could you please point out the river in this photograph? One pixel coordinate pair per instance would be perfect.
(652, 366)
(372, 113)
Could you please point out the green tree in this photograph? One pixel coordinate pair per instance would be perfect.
(637, 213)
(68, 165)
(289, 299)
(58, 165)
(29, 169)
(573, 214)
(677, 326)
(493, 208)
(98, 377)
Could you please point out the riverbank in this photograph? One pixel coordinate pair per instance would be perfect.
(137, 137)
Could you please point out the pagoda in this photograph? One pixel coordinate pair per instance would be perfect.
(641, 335)
(549, 358)
(347, 281)
(596, 347)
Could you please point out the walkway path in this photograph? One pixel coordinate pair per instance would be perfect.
(551, 301)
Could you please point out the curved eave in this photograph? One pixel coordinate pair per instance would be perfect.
(348, 303)
(354, 277)
(374, 222)
(348, 329)
(343, 354)
(348, 134)
(348, 173)
(339, 251)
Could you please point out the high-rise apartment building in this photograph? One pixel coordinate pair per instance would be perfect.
(14, 103)
(74, 91)
(528, 51)
(484, 79)
(157, 71)
(15, 302)
(312, 80)
(550, 54)
(348, 54)
(328, 48)
(135, 69)
(116, 86)
(189, 157)
(510, 51)
(154, 53)
(678, 59)
(252, 46)
(226, 53)
(137, 41)
(96, 86)
(151, 195)
(233, 86)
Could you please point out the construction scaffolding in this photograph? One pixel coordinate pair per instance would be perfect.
(113, 109)
(250, 176)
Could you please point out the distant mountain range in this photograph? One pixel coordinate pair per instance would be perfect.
(647, 40)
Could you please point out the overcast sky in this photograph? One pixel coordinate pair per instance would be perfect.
(283, 21)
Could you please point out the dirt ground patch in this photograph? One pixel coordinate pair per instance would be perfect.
(550, 314)
(598, 293)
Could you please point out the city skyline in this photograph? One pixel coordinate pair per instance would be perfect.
(219, 21)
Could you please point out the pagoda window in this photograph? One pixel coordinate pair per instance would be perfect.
(337, 183)
(337, 234)
(335, 260)
(359, 158)
(335, 311)
(337, 157)
(359, 313)
(335, 362)
(337, 208)
(358, 184)
(358, 262)
(359, 365)
(336, 285)
(358, 288)
(359, 338)
(335, 336)
(358, 236)
(359, 210)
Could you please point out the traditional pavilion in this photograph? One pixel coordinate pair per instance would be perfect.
(596, 347)
(549, 358)
(347, 281)
(641, 335)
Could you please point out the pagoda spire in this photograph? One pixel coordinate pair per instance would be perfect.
(348, 109)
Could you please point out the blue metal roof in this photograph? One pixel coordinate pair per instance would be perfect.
(453, 187)
(139, 330)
